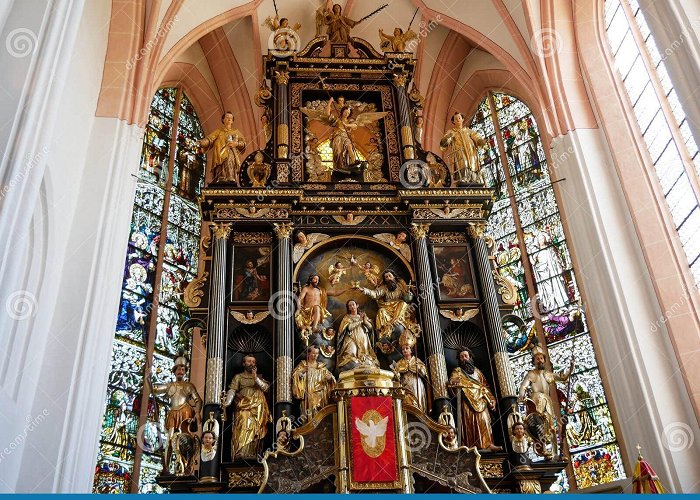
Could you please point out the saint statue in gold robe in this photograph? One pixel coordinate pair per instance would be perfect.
(392, 297)
(464, 144)
(312, 382)
(412, 373)
(250, 411)
(477, 399)
(354, 340)
(226, 144)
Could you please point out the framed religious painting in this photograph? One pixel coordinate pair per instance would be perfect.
(455, 273)
(251, 273)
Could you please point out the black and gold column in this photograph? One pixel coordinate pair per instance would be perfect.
(282, 112)
(431, 322)
(408, 149)
(216, 342)
(492, 315)
(284, 321)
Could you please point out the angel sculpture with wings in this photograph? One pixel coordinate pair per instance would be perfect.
(398, 242)
(369, 270)
(344, 154)
(396, 43)
(282, 39)
(305, 242)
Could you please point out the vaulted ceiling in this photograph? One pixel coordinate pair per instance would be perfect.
(464, 47)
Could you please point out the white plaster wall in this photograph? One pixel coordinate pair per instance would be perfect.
(637, 359)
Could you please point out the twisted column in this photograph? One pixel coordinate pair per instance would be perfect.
(284, 322)
(431, 322)
(216, 342)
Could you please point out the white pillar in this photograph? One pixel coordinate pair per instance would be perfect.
(634, 351)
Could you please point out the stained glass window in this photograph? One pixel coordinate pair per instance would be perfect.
(132, 439)
(663, 123)
(532, 253)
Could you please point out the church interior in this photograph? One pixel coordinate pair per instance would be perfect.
(300, 246)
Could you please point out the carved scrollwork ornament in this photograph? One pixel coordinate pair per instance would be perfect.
(419, 231)
(506, 289)
(283, 230)
(530, 486)
(400, 79)
(476, 229)
(205, 242)
(194, 291)
(221, 231)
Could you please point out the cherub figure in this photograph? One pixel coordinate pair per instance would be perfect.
(397, 241)
(396, 43)
(336, 272)
(369, 270)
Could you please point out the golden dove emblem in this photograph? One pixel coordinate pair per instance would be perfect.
(372, 428)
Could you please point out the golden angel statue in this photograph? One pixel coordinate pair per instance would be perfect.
(227, 145)
(274, 24)
(459, 314)
(464, 144)
(344, 154)
(396, 43)
(336, 272)
(370, 271)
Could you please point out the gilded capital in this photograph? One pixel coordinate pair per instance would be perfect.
(476, 229)
(282, 77)
(400, 79)
(419, 231)
(283, 230)
(221, 230)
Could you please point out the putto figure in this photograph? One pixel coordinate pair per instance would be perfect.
(476, 400)
(312, 382)
(185, 404)
(227, 145)
(396, 43)
(251, 415)
(464, 144)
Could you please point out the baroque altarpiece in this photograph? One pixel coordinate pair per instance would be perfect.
(353, 319)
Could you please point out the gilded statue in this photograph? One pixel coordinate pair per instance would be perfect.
(537, 383)
(227, 145)
(316, 171)
(412, 373)
(259, 171)
(337, 25)
(397, 42)
(476, 401)
(355, 349)
(464, 144)
(185, 404)
(343, 124)
(394, 315)
(312, 382)
(312, 311)
(251, 415)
